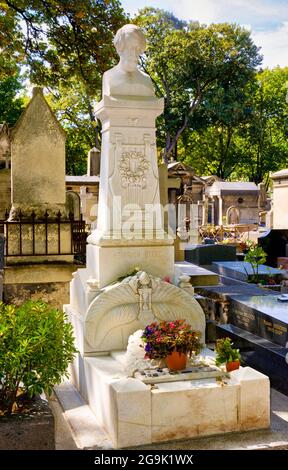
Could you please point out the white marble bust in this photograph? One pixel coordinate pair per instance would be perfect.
(125, 79)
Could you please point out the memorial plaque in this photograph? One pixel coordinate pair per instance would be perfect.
(243, 316)
(274, 331)
(265, 316)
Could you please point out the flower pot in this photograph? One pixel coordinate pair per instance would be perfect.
(176, 360)
(232, 366)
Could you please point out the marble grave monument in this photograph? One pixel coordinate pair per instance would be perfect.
(106, 311)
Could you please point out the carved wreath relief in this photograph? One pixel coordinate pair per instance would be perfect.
(133, 169)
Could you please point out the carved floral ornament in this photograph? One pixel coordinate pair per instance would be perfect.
(133, 169)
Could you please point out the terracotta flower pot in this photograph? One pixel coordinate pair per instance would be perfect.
(176, 360)
(232, 366)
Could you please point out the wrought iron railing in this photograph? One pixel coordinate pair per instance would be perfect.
(34, 236)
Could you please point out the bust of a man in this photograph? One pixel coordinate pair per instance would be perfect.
(125, 79)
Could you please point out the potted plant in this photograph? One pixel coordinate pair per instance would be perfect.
(36, 346)
(227, 355)
(173, 341)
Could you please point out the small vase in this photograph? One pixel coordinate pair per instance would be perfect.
(176, 360)
(232, 366)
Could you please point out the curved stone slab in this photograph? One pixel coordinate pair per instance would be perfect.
(122, 309)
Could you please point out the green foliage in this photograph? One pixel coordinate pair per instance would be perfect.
(255, 256)
(131, 272)
(65, 39)
(215, 145)
(265, 137)
(220, 117)
(36, 346)
(225, 353)
(193, 66)
(11, 105)
(67, 47)
(248, 142)
(11, 44)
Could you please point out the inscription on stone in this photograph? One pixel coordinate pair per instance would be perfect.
(245, 320)
(141, 253)
(275, 328)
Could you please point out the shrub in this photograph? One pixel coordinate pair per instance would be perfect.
(255, 256)
(36, 346)
(225, 353)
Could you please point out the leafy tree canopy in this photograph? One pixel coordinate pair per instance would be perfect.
(11, 103)
(192, 65)
(67, 46)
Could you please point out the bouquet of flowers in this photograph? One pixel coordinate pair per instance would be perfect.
(161, 339)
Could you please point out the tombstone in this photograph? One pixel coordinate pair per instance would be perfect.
(38, 235)
(129, 157)
(93, 166)
(41, 229)
(73, 204)
(205, 255)
(275, 244)
(241, 194)
(107, 304)
(38, 160)
(232, 215)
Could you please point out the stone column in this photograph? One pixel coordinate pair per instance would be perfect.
(220, 215)
(129, 197)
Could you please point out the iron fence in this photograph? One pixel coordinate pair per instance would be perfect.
(34, 236)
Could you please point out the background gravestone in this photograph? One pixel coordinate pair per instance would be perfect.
(38, 160)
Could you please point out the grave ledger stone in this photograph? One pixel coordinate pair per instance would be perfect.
(258, 325)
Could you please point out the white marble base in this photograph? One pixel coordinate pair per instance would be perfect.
(133, 413)
(107, 263)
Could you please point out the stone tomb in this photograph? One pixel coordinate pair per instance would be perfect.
(134, 413)
(242, 270)
(204, 255)
(131, 411)
(259, 327)
(105, 312)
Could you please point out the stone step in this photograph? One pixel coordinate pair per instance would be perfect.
(199, 276)
(82, 424)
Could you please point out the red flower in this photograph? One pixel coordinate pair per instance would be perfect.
(162, 338)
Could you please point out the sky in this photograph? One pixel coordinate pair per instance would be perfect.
(266, 19)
